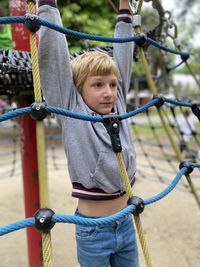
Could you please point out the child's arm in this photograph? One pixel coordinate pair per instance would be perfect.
(54, 60)
(123, 52)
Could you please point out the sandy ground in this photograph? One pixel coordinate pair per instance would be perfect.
(171, 225)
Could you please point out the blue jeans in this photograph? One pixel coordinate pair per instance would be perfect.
(111, 245)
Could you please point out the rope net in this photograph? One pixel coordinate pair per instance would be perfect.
(22, 64)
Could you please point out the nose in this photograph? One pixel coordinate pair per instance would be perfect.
(108, 92)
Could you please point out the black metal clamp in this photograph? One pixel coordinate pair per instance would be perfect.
(138, 203)
(196, 110)
(188, 165)
(43, 220)
(111, 122)
(161, 101)
(142, 40)
(185, 56)
(32, 22)
(33, 1)
(38, 111)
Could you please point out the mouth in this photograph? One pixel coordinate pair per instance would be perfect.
(107, 103)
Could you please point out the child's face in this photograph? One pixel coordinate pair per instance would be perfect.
(100, 93)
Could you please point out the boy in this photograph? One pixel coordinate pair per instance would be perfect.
(93, 84)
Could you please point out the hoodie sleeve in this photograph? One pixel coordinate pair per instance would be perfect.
(54, 58)
(123, 52)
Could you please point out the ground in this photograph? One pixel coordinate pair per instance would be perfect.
(171, 225)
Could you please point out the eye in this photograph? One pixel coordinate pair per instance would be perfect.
(97, 84)
(113, 85)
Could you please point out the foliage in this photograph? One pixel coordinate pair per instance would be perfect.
(194, 62)
(5, 3)
(98, 17)
(95, 17)
(187, 5)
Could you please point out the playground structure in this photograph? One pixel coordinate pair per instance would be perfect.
(157, 101)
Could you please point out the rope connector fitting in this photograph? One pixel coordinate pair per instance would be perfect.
(185, 56)
(43, 220)
(188, 165)
(137, 21)
(138, 203)
(142, 39)
(32, 22)
(168, 70)
(31, 1)
(196, 110)
(161, 101)
(111, 122)
(38, 111)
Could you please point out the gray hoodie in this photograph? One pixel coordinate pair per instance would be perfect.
(92, 164)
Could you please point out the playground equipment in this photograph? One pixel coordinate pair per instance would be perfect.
(45, 219)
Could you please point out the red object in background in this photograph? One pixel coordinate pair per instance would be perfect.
(28, 143)
(19, 33)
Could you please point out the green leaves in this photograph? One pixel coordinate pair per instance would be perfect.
(94, 17)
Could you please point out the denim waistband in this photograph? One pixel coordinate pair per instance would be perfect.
(77, 213)
(113, 224)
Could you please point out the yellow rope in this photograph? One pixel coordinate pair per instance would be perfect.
(41, 147)
(193, 74)
(190, 70)
(140, 6)
(128, 189)
(138, 224)
(143, 241)
(46, 249)
(124, 174)
(153, 89)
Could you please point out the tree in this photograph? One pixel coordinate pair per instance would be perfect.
(5, 6)
(187, 5)
(95, 17)
(98, 17)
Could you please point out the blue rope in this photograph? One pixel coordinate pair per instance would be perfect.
(162, 47)
(93, 37)
(139, 110)
(17, 226)
(79, 35)
(168, 189)
(68, 219)
(75, 115)
(177, 103)
(15, 113)
(169, 70)
(99, 221)
(62, 111)
(22, 111)
(12, 19)
(195, 165)
(60, 218)
(176, 66)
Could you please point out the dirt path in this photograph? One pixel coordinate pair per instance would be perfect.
(171, 225)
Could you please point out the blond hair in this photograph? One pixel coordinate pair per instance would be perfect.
(92, 63)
